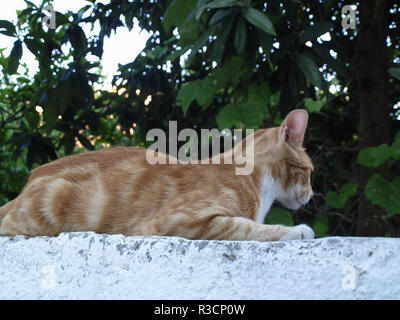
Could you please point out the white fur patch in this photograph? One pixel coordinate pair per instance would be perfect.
(270, 190)
(301, 231)
(96, 205)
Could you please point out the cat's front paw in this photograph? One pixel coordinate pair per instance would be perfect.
(301, 231)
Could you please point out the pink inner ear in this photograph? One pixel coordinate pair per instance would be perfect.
(294, 127)
(285, 133)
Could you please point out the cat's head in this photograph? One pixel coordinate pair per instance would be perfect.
(287, 161)
(294, 166)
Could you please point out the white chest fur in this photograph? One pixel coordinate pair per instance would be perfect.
(269, 191)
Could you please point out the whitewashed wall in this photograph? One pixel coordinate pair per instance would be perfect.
(93, 266)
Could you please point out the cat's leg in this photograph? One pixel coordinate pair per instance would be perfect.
(300, 231)
(238, 228)
(221, 227)
(8, 227)
(21, 219)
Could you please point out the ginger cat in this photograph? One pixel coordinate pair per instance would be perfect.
(116, 190)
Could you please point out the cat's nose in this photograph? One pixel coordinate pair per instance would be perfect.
(311, 195)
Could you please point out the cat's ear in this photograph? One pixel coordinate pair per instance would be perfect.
(293, 128)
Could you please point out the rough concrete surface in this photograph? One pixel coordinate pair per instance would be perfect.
(95, 266)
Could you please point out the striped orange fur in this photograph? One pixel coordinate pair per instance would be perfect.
(115, 190)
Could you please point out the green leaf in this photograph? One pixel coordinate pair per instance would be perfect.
(240, 39)
(85, 142)
(202, 91)
(314, 106)
(177, 13)
(249, 113)
(215, 4)
(173, 56)
(397, 136)
(200, 8)
(383, 193)
(395, 73)
(323, 52)
(45, 148)
(33, 118)
(334, 200)
(348, 190)
(266, 41)
(32, 154)
(15, 56)
(188, 34)
(279, 216)
(374, 156)
(65, 94)
(30, 4)
(50, 111)
(310, 69)
(320, 226)
(339, 200)
(223, 4)
(230, 72)
(201, 41)
(7, 28)
(69, 143)
(157, 53)
(185, 97)
(205, 92)
(34, 46)
(61, 19)
(395, 149)
(229, 116)
(259, 20)
(315, 31)
(219, 15)
(78, 40)
(222, 35)
(259, 96)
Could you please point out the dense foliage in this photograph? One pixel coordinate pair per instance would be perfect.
(218, 64)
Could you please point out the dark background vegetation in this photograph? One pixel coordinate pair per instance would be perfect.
(234, 76)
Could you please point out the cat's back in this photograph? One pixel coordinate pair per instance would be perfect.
(89, 162)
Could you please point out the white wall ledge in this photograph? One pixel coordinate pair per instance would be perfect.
(95, 266)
